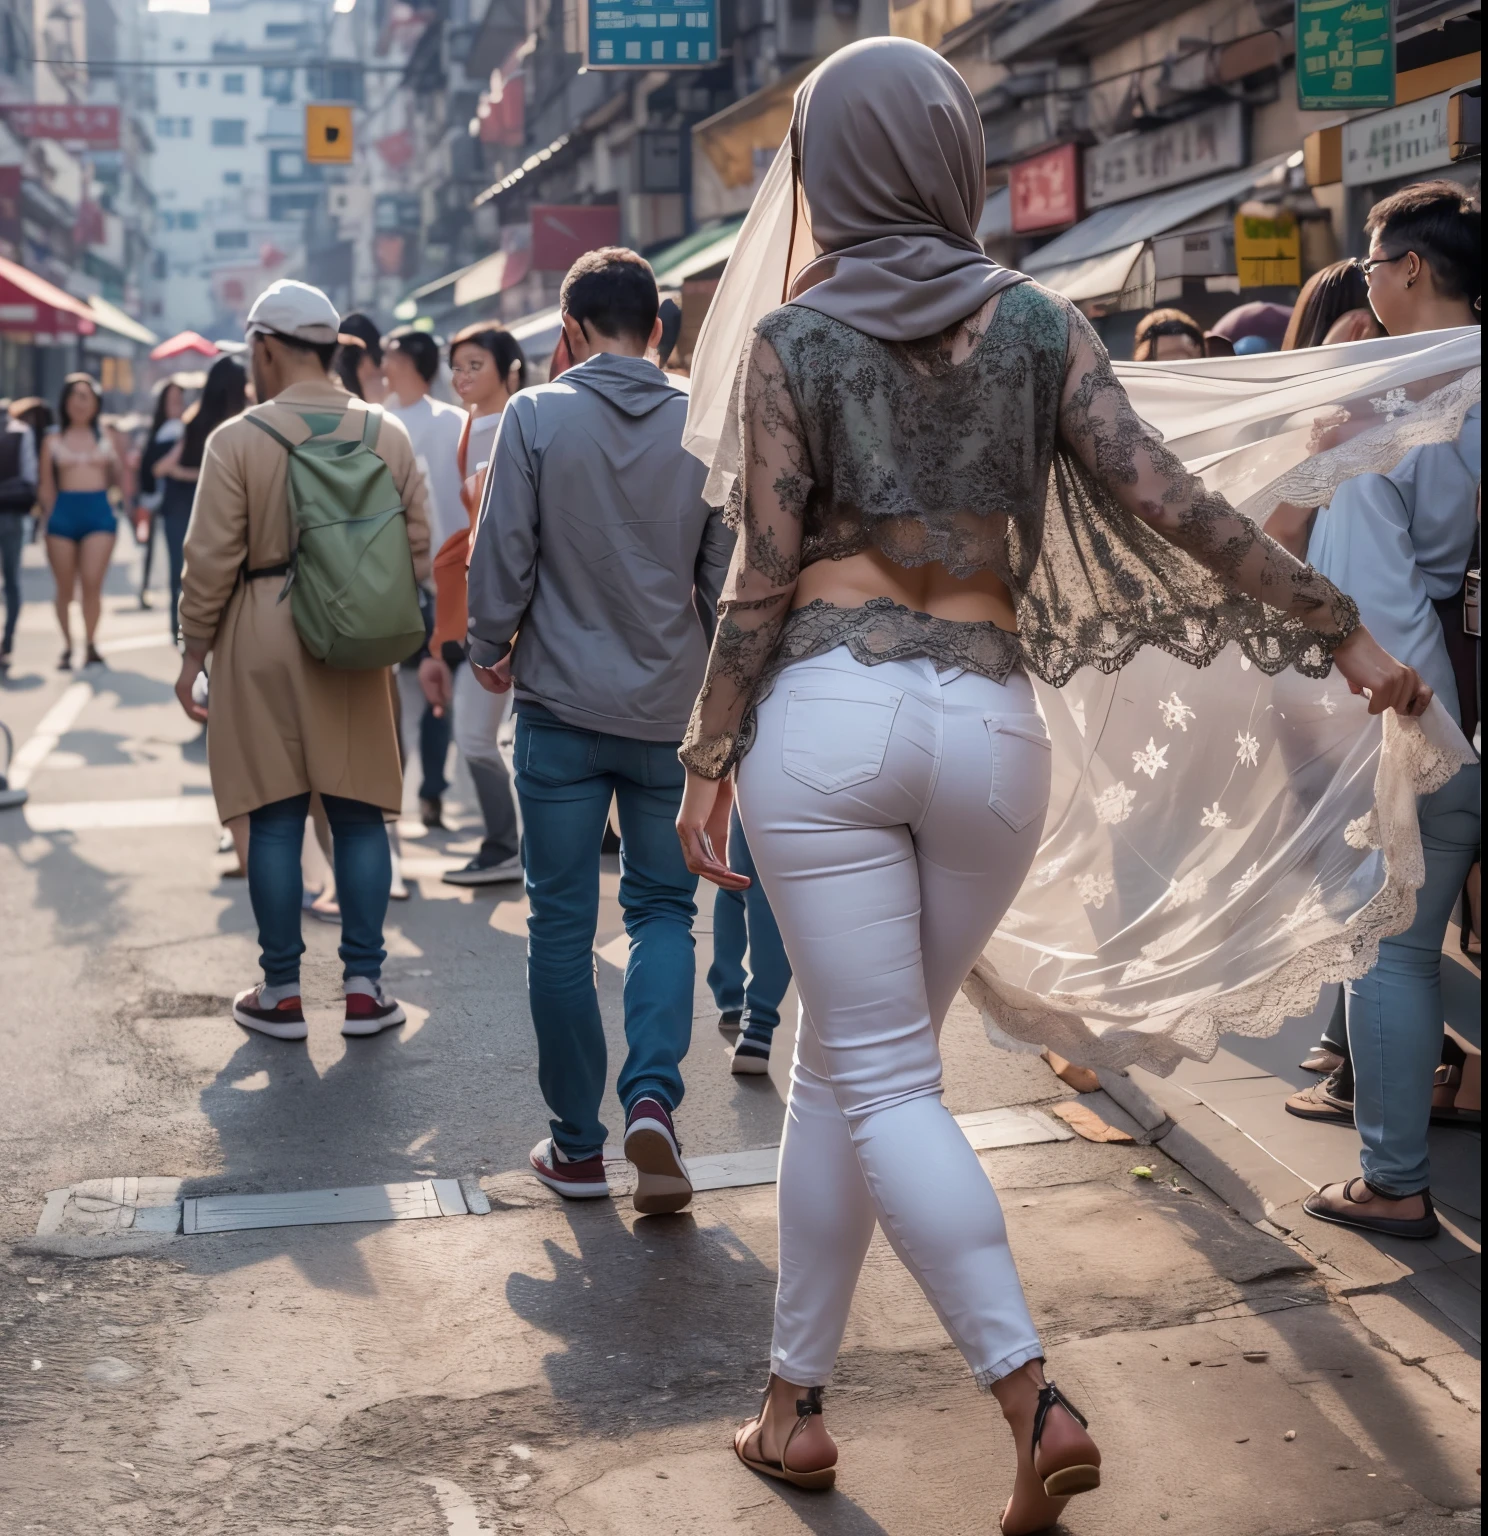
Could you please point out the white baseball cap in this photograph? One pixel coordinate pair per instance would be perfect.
(295, 310)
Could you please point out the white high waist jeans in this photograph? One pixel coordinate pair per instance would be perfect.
(893, 813)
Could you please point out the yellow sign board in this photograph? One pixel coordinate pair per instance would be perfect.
(1268, 247)
(327, 134)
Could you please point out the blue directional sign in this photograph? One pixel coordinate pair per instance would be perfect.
(652, 34)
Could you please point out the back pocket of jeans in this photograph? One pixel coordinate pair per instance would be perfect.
(1021, 768)
(836, 735)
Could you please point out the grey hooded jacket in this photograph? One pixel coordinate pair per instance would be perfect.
(594, 541)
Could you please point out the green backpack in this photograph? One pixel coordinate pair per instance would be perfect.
(350, 583)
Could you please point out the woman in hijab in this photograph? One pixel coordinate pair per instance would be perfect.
(899, 420)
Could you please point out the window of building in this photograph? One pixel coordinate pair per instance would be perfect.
(278, 84)
(233, 85)
(203, 78)
(232, 178)
(172, 127)
(182, 77)
(229, 131)
(183, 127)
(231, 239)
(187, 219)
(283, 31)
(284, 206)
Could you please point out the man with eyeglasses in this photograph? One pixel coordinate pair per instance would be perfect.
(1400, 545)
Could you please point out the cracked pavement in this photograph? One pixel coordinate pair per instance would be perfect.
(552, 1369)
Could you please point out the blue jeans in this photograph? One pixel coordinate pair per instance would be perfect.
(740, 919)
(435, 732)
(1395, 1011)
(364, 874)
(565, 780)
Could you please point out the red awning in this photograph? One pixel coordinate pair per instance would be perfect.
(29, 303)
(184, 341)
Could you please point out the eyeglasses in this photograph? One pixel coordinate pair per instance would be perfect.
(1367, 264)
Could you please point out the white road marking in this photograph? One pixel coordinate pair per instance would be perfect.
(50, 729)
(94, 815)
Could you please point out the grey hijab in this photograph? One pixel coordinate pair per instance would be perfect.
(890, 156)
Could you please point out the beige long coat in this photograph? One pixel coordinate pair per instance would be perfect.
(279, 722)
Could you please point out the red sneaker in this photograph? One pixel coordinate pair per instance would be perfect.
(284, 1021)
(584, 1180)
(662, 1184)
(369, 1010)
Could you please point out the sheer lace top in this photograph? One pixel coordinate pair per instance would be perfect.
(1023, 458)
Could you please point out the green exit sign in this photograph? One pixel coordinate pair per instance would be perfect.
(1345, 54)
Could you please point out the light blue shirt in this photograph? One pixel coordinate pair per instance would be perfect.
(1397, 542)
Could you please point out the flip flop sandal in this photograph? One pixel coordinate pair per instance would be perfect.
(805, 1407)
(1383, 1226)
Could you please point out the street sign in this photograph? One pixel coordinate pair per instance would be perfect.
(74, 122)
(1268, 247)
(651, 34)
(1045, 191)
(1345, 54)
(1402, 142)
(327, 134)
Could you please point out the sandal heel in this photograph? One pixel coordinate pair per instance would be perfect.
(1069, 1481)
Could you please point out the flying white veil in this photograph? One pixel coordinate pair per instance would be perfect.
(1219, 843)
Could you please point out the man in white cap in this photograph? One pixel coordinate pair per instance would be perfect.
(281, 723)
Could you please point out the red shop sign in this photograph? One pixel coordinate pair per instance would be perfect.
(75, 122)
(1045, 190)
(562, 232)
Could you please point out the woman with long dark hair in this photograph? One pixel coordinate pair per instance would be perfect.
(940, 487)
(224, 396)
(165, 432)
(1333, 306)
(488, 367)
(78, 470)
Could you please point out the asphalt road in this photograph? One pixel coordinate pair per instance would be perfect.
(542, 1368)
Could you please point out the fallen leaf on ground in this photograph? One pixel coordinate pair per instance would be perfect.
(1085, 1122)
(1257, 1356)
(1081, 1079)
(1142, 1173)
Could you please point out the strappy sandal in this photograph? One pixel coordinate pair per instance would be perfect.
(1081, 1476)
(750, 1430)
(1421, 1227)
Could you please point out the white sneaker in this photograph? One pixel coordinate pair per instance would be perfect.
(476, 873)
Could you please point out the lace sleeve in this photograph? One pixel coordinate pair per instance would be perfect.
(1097, 422)
(766, 507)
(1136, 551)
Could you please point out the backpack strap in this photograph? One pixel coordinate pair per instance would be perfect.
(278, 436)
(371, 424)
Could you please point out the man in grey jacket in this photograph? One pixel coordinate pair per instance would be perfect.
(595, 543)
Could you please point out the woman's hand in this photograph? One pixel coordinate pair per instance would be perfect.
(1368, 668)
(702, 825)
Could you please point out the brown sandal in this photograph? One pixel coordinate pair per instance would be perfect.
(1062, 1482)
(805, 1407)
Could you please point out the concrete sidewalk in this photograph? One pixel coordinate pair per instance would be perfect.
(1224, 1120)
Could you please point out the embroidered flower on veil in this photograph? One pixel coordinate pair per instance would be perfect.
(1175, 712)
(1194, 886)
(1248, 879)
(1214, 817)
(1093, 889)
(1113, 805)
(1151, 758)
(1247, 749)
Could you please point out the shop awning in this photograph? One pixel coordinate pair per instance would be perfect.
(702, 249)
(1121, 225)
(112, 318)
(491, 275)
(30, 304)
(180, 344)
(1097, 277)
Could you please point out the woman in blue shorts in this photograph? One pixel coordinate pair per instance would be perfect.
(78, 468)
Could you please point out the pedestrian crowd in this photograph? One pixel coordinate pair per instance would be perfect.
(790, 694)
